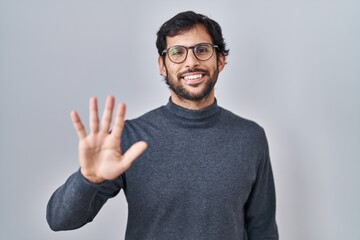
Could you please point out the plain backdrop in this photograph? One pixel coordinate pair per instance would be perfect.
(294, 68)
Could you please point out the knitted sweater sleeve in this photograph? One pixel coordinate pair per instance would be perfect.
(78, 201)
(260, 207)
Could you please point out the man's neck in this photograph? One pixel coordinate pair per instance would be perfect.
(193, 105)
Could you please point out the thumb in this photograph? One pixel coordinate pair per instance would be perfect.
(133, 153)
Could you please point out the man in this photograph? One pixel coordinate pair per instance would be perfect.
(201, 172)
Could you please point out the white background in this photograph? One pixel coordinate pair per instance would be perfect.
(294, 67)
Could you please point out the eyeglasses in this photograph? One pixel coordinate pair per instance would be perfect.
(178, 54)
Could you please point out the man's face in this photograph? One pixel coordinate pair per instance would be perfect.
(192, 79)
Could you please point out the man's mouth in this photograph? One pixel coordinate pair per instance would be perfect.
(193, 79)
(193, 76)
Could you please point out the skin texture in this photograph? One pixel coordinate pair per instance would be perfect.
(100, 155)
(198, 93)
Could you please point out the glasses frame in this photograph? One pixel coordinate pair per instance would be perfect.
(193, 50)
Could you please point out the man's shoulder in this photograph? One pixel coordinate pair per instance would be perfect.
(153, 118)
(151, 115)
(141, 127)
(234, 121)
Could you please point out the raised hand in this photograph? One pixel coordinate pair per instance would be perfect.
(100, 155)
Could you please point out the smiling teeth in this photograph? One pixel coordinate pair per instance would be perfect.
(192, 77)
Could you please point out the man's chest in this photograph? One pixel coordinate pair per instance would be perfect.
(196, 170)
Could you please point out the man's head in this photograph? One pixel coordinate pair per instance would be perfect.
(191, 54)
(185, 21)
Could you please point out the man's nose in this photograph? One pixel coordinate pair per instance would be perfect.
(191, 61)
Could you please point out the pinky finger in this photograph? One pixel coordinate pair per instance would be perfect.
(79, 127)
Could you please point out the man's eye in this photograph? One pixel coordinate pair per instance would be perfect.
(177, 51)
(202, 50)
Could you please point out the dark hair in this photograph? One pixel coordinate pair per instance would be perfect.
(185, 21)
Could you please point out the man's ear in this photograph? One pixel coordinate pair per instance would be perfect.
(221, 61)
(162, 67)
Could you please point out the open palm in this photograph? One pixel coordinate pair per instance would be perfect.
(100, 155)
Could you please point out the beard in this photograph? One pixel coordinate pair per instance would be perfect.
(180, 90)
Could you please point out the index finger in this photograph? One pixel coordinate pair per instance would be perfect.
(119, 121)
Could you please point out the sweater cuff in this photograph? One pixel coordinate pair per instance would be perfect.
(84, 183)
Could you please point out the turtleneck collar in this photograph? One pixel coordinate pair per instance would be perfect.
(192, 118)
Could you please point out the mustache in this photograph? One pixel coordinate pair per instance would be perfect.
(191, 70)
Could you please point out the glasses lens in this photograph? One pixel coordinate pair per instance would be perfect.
(177, 53)
(203, 51)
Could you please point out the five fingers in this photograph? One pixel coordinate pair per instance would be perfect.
(133, 152)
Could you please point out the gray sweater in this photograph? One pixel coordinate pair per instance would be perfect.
(205, 175)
